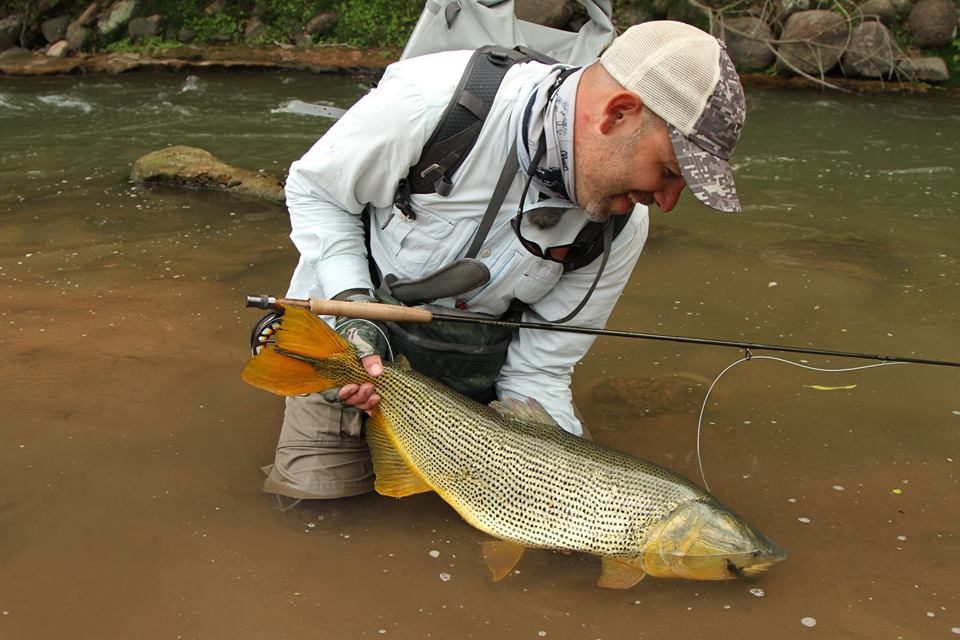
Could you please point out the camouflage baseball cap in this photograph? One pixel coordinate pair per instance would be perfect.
(685, 76)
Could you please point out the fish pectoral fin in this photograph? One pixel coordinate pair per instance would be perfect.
(282, 375)
(528, 410)
(620, 573)
(394, 476)
(501, 557)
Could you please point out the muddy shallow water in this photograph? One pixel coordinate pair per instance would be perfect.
(130, 450)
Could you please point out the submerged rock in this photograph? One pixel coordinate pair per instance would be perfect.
(676, 393)
(192, 167)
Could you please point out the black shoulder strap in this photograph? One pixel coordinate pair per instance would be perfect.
(463, 118)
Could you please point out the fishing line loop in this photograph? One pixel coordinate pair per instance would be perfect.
(748, 356)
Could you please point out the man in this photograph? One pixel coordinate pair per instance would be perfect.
(661, 110)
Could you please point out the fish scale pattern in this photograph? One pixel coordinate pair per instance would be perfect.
(531, 483)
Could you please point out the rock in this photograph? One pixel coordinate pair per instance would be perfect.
(882, 10)
(302, 39)
(823, 35)
(871, 52)
(549, 13)
(902, 7)
(88, 16)
(933, 23)
(59, 49)
(186, 35)
(9, 32)
(55, 29)
(783, 9)
(668, 394)
(659, 8)
(923, 69)
(256, 29)
(629, 16)
(78, 35)
(747, 41)
(116, 16)
(148, 27)
(14, 53)
(193, 167)
(322, 24)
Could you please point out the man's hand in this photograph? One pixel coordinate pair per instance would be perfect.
(362, 396)
(370, 341)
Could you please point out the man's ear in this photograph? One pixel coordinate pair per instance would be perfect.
(619, 108)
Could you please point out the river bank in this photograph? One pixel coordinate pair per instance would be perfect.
(342, 59)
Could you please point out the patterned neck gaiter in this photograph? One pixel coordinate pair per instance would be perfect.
(548, 121)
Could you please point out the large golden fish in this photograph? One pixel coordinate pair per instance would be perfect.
(510, 471)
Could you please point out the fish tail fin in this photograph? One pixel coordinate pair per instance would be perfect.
(291, 367)
(303, 333)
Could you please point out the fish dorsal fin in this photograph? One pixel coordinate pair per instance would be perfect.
(303, 333)
(501, 557)
(528, 410)
(282, 375)
(620, 573)
(394, 477)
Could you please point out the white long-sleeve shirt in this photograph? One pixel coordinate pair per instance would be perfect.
(360, 161)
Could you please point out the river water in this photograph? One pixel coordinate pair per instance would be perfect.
(130, 450)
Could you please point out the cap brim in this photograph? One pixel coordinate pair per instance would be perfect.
(708, 177)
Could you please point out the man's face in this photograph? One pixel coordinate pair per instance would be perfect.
(629, 167)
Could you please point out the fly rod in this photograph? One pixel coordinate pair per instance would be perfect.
(395, 313)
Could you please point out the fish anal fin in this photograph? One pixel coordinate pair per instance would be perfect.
(501, 557)
(394, 477)
(283, 375)
(528, 410)
(620, 573)
(303, 333)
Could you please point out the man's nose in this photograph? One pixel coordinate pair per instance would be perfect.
(668, 196)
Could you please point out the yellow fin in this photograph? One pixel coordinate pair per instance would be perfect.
(303, 333)
(282, 375)
(528, 410)
(501, 557)
(394, 477)
(820, 387)
(620, 573)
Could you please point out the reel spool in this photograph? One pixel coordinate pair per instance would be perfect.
(263, 331)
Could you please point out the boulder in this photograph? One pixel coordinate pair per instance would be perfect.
(822, 37)
(322, 25)
(185, 35)
(549, 13)
(781, 10)
(78, 35)
(148, 27)
(55, 29)
(902, 7)
(88, 16)
(871, 52)
(9, 32)
(629, 16)
(255, 30)
(193, 167)
(116, 16)
(882, 10)
(923, 69)
(933, 23)
(14, 53)
(748, 42)
(59, 49)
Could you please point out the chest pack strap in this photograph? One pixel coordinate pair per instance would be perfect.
(462, 120)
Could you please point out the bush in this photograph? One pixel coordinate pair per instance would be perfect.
(386, 23)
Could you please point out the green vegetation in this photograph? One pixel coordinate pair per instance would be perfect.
(377, 22)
